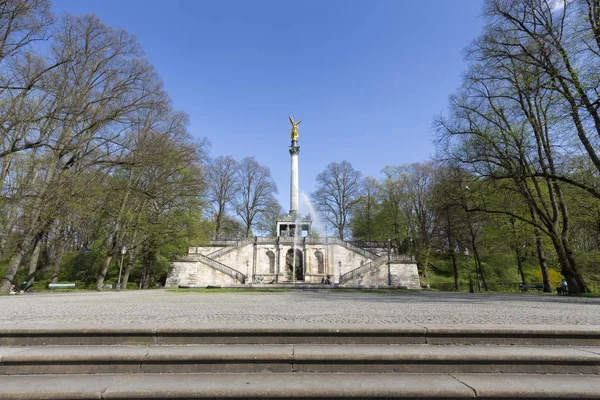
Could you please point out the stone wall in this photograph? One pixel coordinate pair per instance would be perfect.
(182, 273)
(405, 274)
(208, 276)
(402, 275)
(239, 259)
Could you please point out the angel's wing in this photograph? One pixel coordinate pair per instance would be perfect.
(291, 120)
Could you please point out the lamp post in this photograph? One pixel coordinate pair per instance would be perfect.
(471, 290)
(123, 251)
(389, 261)
(340, 275)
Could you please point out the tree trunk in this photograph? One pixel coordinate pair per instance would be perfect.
(103, 271)
(426, 261)
(479, 269)
(125, 278)
(567, 262)
(219, 220)
(62, 246)
(454, 270)
(541, 254)
(115, 237)
(130, 261)
(146, 268)
(14, 263)
(452, 252)
(520, 264)
(34, 223)
(37, 246)
(145, 277)
(575, 275)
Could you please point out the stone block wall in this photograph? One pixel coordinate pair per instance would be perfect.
(239, 259)
(405, 274)
(402, 275)
(182, 273)
(211, 277)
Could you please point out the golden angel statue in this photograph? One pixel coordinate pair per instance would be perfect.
(294, 134)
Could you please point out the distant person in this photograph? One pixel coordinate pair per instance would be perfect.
(563, 288)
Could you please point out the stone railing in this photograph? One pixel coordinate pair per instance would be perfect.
(266, 240)
(349, 246)
(234, 245)
(402, 257)
(224, 242)
(363, 269)
(373, 264)
(369, 244)
(237, 275)
(290, 239)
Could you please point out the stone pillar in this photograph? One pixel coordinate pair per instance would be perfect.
(294, 151)
(253, 260)
(278, 264)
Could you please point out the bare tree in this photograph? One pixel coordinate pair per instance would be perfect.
(267, 221)
(339, 188)
(257, 188)
(222, 187)
(21, 23)
(364, 222)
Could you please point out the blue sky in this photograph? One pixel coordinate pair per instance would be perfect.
(366, 77)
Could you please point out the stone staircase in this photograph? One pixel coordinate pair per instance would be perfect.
(219, 266)
(229, 248)
(299, 361)
(366, 269)
(363, 252)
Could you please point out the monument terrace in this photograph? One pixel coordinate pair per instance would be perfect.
(294, 256)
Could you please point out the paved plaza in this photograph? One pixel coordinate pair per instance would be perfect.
(304, 307)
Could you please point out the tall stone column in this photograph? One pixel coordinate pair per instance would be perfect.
(294, 151)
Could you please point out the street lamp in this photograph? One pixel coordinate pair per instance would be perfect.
(389, 261)
(123, 251)
(471, 290)
(340, 275)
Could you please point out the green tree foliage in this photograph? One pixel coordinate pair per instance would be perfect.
(525, 119)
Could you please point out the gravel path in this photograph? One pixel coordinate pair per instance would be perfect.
(309, 307)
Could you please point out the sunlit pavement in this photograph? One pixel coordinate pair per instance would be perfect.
(308, 307)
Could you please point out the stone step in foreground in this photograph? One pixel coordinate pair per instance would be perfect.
(300, 386)
(299, 359)
(184, 334)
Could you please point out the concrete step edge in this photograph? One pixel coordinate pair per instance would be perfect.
(297, 334)
(299, 358)
(297, 385)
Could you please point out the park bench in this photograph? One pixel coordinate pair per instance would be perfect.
(53, 286)
(527, 287)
